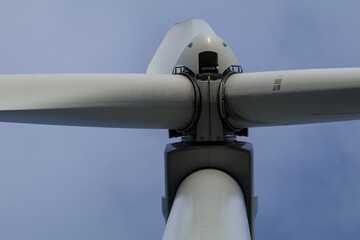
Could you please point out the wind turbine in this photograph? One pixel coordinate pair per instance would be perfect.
(194, 87)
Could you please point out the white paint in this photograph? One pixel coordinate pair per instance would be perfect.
(175, 41)
(209, 205)
(105, 100)
(305, 96)
(207, 42)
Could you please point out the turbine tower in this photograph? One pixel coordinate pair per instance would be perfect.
(195, 88)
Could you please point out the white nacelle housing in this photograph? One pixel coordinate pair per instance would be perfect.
(206, 51)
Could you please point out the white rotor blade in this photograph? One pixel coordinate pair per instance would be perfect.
(175, 41)
(105, 100)
(292, 97)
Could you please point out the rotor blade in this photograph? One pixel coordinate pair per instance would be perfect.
(292, 97)
(175, 41)
(104, 100)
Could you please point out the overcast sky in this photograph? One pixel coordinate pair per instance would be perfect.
(95, 183)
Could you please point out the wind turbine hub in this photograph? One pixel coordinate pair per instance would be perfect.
(207, 62)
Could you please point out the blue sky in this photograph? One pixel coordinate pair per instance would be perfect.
(95, 183)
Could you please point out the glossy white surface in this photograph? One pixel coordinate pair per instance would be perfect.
(303, 96)
(209, 205)
(105, 100)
